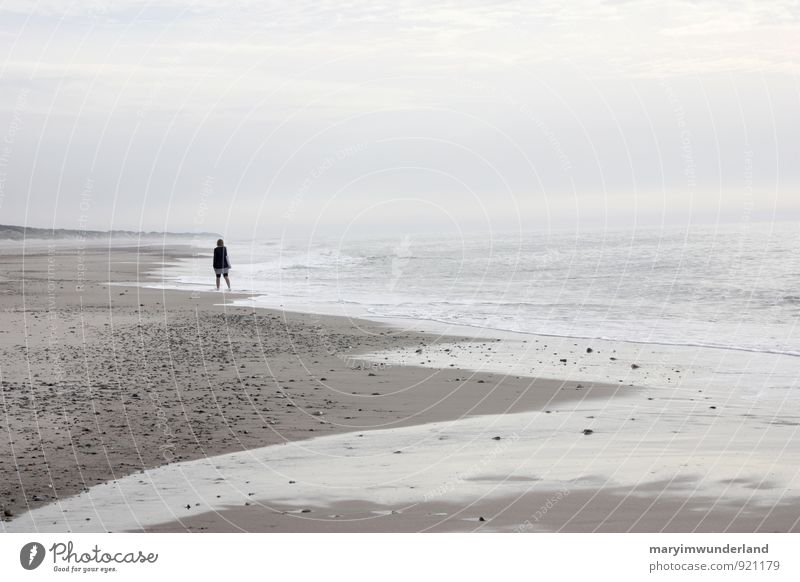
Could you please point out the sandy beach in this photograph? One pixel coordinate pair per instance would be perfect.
(104, 379)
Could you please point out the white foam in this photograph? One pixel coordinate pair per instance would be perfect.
(709, 287)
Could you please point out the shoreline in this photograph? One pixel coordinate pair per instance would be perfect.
(286, 377)
(111, 380)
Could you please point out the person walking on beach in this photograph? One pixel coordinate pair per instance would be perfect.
(221, 263)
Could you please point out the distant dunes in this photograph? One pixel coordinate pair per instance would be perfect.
(10, 232)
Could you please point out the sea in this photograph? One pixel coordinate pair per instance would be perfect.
(734, 287)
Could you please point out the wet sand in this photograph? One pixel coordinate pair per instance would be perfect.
(101, 379)
(567, 509)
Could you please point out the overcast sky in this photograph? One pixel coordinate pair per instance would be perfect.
(261, 118)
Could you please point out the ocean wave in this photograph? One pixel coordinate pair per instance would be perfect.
(664, 290)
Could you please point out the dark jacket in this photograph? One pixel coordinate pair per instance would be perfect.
(221, 258)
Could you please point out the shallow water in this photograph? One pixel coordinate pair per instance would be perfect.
(695, 434)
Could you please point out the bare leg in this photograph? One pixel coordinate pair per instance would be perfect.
(228, 281)
(217, 282)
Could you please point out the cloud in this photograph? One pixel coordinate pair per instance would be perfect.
(178, 90)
